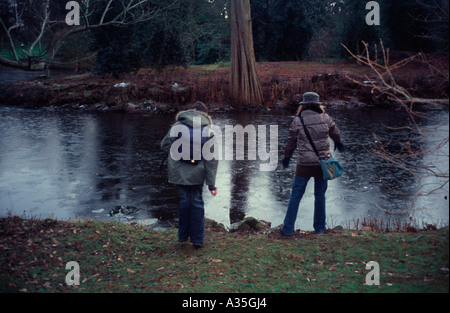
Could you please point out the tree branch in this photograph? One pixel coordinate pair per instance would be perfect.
(407, 158)
(30, 51)
(134, 11)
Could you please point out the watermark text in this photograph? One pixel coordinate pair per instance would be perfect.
(260, 146)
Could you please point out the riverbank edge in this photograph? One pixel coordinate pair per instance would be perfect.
(339, 83)
(117, 257)
(120, 97)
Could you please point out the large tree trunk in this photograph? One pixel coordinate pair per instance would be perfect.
(244, 84)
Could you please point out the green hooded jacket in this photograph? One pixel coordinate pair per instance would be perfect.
(181, 173)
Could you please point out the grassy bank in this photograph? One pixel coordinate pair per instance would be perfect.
(115, 257)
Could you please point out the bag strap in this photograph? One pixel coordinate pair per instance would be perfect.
(309, 138)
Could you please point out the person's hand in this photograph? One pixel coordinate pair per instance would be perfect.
(213, 190)
(340, 146)
(285, 162)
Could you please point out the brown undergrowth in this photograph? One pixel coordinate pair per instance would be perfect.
(175, 87)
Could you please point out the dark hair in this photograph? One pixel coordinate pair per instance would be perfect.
(199, 106)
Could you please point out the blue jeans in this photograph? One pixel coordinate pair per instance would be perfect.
(298, 189)
(191, 214)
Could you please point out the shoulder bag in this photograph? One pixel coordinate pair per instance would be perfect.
(331, 168)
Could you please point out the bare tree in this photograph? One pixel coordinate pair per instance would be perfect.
(244, 85)
(387, 84)
(437, 142)
(50, 34)
(433, 17)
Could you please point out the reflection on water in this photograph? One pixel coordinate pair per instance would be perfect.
(86, 165)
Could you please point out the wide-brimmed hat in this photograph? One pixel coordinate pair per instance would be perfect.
(310, 98)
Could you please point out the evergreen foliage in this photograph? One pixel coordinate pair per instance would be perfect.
(117, 51)
(199, 31)
(283, 28)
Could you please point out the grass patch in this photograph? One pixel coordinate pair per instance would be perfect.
(210, 67)
(7, 53)
(115, 257)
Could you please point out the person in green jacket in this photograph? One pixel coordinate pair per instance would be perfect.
(191, 171)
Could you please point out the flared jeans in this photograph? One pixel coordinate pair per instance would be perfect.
(298, 189)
